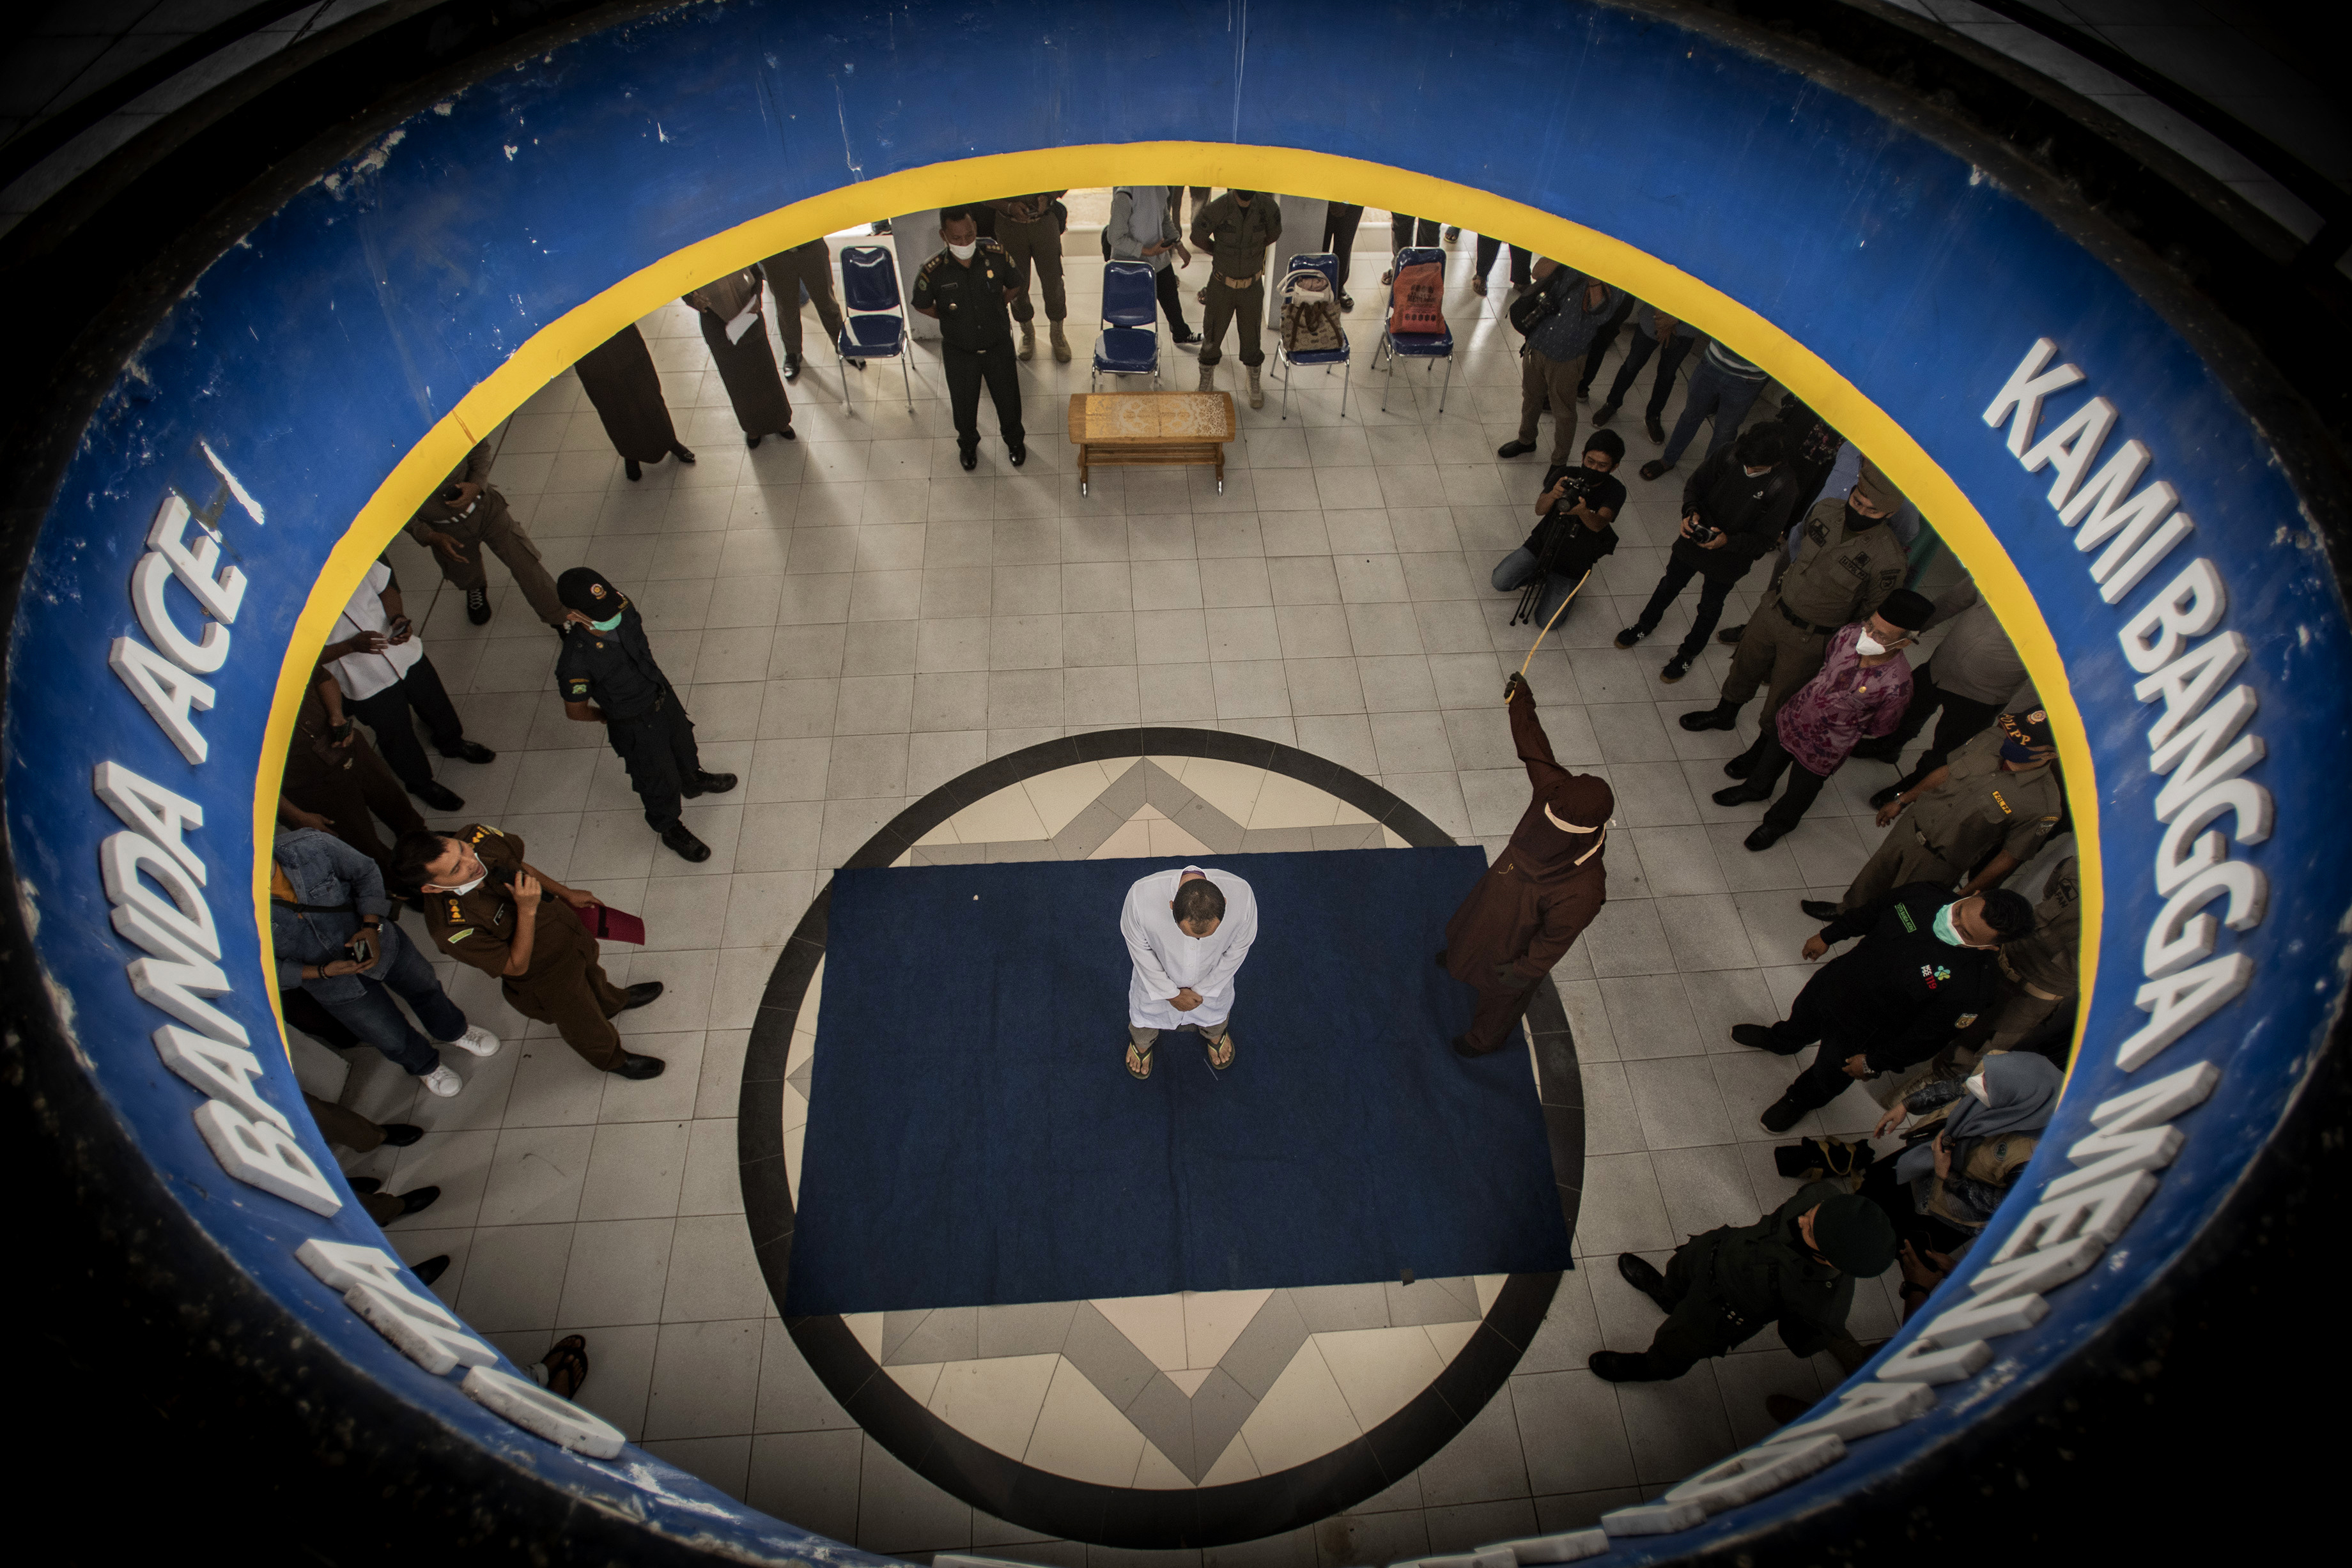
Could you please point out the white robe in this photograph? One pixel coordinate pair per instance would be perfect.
(1166, 959)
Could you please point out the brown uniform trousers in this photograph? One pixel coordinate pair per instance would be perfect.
(490, 523)
(1774, 655)
(806, 265)
(1245, 308)
(339, 1124)
(565, 985)
(1544, 380)
(1036, 244)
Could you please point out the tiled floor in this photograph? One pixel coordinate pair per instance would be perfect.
(853, 621)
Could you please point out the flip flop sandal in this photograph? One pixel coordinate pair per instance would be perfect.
(567, 1357)
(1213, 1047)
(1138, 1061)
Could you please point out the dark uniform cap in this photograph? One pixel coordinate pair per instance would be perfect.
(1905, 609)
(1877, 488)
(589, 591)
(1854, 1234)
(2030, 728)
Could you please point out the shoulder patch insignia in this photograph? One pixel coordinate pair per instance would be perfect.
(2001, 800)
(1964, 1021)
(1902, 914)
(455, 912)
(461, 933)
(480, 829)
(2050, 817)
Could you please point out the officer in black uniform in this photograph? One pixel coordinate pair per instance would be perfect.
(966, 289)
(1924, 971)
(607, 675)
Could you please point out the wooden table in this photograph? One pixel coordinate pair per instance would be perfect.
(1151, 430)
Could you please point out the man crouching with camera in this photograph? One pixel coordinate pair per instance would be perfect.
(486, 906)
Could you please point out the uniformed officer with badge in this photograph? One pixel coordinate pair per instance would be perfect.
(1795, 1267)
(966, 289)
(1998, 792)
(607, 675)
(486, 908)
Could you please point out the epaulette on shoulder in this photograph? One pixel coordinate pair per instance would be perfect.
(481, 831)
(455, 912)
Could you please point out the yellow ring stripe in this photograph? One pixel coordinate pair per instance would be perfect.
(561, 343)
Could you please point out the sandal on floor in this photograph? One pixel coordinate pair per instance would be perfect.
(1213, 1046)
(1138, 1059)
(566, 1361)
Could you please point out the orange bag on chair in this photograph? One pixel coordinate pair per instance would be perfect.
(1418, 304)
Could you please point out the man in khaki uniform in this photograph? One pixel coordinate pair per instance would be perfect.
(1851, 563)
(467, 513)
(1031, 232)
(809, 266)
(1998, 792)
(485, 907)
(2038, 973)
(1235, 231)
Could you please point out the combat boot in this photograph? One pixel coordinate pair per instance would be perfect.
(1028, 343)
(1061, 344)
(1257, 394)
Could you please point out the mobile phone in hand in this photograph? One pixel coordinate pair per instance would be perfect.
(361, 949)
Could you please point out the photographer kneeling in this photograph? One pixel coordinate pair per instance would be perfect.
(327, 925)
(1573, 533)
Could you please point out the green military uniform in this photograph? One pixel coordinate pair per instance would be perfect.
(1236, 239)
(1978, 808)
(1726, 1283)
(566, 983)
(1030, 234)
(1843, 576)
(486, 521)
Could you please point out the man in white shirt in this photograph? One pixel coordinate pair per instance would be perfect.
(379, 662)
(1188, 931)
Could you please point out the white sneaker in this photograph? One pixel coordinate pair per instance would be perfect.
(476, 1041)
(443, 1082)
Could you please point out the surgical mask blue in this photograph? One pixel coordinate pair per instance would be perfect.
(1945, 931)
(607, 625)
(2011, 751)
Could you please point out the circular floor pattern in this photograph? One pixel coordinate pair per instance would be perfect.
(1181, 1420)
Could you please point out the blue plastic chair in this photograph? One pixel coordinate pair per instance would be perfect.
(1328, 265)
(874, 322)
(1129, 341)
(1395, 345)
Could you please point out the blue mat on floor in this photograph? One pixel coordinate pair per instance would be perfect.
(975, 1138)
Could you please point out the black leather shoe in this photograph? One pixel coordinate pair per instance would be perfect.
(1759, 1037)
(400, 1134)
(682, 455)
(1631, 635)
(364, 1184)
(789, 434)
(641, 993)
(440, 797)
(1887, 750)
(1654, 430)
(1740, 767)
(1616, 1366)
(680, 838)
(1722, 715)
(472, 751)
(1765, 836)
(1637, 1271)
(1882, 797)
(1819, 909)
(970, 460)
(1729, 636)
(1604, 414)
(708, 784)
(791, 367)
(417, 1200)
(1781, 1114)
(478, 606)
(632, 468)
(640, 1067)
(1739, 795)
(431, 1269)
(1017, 456)
(1514, 449)
(1677, 668)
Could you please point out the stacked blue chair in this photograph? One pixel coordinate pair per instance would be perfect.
(1395, 346)
(1328, 265)
(1129, 341)
(875, 326)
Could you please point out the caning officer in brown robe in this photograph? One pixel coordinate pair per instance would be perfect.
(738, 340)
(619, 378)
(1542, 891)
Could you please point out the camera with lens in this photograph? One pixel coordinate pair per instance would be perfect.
(1702, 533)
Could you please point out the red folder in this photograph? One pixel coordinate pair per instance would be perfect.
(609, 925)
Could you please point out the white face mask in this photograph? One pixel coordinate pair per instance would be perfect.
(1975, 1086)
(963, 251)
(465, 888)
(1868, 646)
(1755, 473)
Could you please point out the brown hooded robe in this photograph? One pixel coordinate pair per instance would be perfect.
(619, 378)
(1536, 898)
(749, 366)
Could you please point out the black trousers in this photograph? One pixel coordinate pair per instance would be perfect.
(1826, 1079)
(1172, 303)
(1805, 784)
(386, 714)
(1711, 592)
(967, 367)
(1964, 718)
(658, 748)
(1521, 261)
(1603, 341)
(1405, 230)
(1637, 354)
(1339, 220)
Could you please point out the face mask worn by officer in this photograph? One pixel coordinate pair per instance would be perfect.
(1947, 930)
